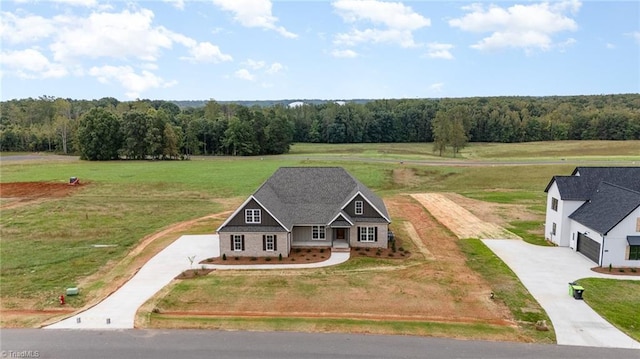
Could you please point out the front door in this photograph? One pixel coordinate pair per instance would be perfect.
(340, 234)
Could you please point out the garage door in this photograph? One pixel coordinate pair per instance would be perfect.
(589, 247)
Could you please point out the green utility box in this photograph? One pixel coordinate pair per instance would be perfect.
(575, 290)
(72, 291)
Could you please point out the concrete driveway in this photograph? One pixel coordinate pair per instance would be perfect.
(119, 309)
(546, 272)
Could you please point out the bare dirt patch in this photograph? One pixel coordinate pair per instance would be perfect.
(459, 220)
(405, 177)
(498, 213)
(23, 193)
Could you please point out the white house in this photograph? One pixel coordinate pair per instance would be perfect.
(596, 211)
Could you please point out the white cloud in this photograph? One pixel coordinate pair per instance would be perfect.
(126, 36)
(437, 50)
(178, 4)
(636, 36)
(253, 64)
(16, 30)
(519, 26)
(275, 68)
(254, 13)
(436, 87)
(610, 46)
(31, 64)
(393, 22)
(258, 65)
(134, 83)
(344, 54)
(86, 3)
(206, 52)
(118, 35)
(244, 74)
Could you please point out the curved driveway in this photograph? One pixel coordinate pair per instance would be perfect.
(546, 272)
(119, 309)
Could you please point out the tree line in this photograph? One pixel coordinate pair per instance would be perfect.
(110, 129)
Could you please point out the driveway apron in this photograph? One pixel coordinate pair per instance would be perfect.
(546, 272)
(119, 309)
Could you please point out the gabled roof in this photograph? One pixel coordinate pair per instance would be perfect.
(607, 207)
(311, 195)
(584, 181)
(627, 177)
(572, 188)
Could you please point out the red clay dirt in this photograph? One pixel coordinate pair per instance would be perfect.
(23, 193)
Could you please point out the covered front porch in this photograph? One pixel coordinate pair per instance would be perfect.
(335, 238)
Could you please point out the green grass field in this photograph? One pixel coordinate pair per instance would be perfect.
(47, 246)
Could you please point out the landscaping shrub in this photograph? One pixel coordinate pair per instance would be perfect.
(224, 257)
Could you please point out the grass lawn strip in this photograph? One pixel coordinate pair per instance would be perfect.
(617, 301)
(507, 288)
(476, 331)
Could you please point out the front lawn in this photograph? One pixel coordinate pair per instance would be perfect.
(617, 301)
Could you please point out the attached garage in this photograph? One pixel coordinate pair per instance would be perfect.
(589, 247)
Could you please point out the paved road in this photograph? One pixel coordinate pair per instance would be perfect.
(119, 309)
(188, 344)
(546, 272)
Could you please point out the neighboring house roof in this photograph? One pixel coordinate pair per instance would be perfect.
(607, 207)
(584, 181)
(627, 177)
(311, 195)
(573, 188)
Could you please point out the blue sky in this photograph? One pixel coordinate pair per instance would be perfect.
(341, 49)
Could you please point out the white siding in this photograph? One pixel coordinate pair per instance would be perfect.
(615, 242)
(563, 236)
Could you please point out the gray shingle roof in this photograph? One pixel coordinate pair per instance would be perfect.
(627, 177)
(584, 181)
(307, 195)
(607, 207)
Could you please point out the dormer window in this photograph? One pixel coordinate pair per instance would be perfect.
(359, 207)
(252, 216)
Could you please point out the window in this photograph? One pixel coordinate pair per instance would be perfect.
(252, 215)
(359, 207)
(269, 243)
(367, 234)
(638, 224)
(237, 242)
(554, 204)
(634, 253)
(317, 232)
(553, 228)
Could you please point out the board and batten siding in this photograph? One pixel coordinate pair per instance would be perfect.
(367, 210)
(265, 217)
